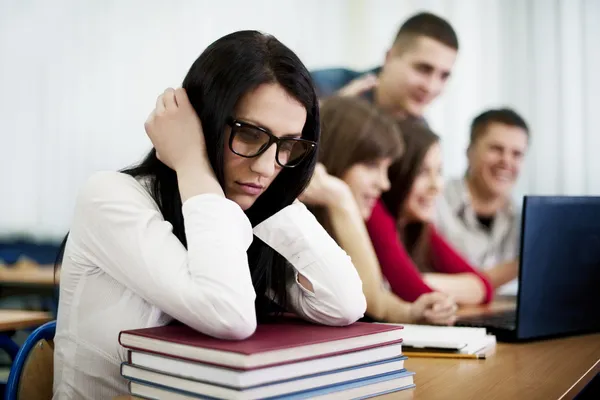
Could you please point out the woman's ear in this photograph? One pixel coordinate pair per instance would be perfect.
(468, 152)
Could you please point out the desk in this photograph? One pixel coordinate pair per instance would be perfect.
(27, 275)
(26, 278)
(537, 370)
(12, 320)
(545, 369)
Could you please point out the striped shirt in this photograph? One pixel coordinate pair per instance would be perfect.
(484, 247)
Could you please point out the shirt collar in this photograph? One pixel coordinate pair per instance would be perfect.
(465, 199)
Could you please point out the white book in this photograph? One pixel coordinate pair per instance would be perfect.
(359, 389)
(311, 382)
(467, 340)
(242, 379)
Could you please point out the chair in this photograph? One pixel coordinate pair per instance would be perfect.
(31, 374)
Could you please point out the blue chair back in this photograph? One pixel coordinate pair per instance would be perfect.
(44, 332)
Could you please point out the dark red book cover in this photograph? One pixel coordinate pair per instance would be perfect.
(268, 337)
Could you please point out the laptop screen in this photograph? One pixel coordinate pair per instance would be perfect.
(559, 278)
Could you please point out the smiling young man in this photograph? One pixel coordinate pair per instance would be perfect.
(477, 213)
(415, 70)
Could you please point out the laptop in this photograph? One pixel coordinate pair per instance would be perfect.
(559, 274)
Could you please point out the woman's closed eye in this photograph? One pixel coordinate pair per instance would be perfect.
(287, 145)
(371, 164)
(250, 136)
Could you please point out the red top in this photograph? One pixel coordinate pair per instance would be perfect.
(400, 270)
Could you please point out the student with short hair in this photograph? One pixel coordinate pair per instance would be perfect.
(477, 212)
(206, 230)
(358, 144)
(414, 73)
(414, 256)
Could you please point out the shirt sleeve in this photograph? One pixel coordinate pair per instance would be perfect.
(338, 298)
(396, 265)
(447, 260)
(513, 244)
(208, 286)
(443, 216)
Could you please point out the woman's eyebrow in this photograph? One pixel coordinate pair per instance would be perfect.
(292, 135)
(254, 123)
(258, 125)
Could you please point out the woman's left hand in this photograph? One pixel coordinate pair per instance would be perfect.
(324, 190)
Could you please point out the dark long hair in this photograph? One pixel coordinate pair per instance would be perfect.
(354, 131)
(418, 139)
(228, 69)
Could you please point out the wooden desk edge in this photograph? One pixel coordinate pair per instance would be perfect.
(570, 394)
(22, 319)
(41, 275)
(578, 386)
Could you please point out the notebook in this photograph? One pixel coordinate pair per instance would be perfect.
(289, 340)
(422, 340)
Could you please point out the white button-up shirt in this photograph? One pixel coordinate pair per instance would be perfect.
(124, 269)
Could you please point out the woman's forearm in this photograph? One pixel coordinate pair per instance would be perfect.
(351, 234)
(465, 288)
(503, 273)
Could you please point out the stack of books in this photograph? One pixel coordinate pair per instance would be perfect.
(289, 359)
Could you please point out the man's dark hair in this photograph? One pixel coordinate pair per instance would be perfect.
(504, 116)
(428, 25)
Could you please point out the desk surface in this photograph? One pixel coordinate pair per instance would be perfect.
(28, 275)
(537, 370)
(546, 369)
(22, 319)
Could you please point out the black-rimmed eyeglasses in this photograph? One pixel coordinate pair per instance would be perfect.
(247, 140)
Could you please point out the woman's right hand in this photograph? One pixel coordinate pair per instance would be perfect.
(176, 132)
(434, 308)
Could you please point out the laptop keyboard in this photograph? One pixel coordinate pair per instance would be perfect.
(504, 320)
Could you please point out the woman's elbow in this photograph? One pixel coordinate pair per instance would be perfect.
(231, 320)
(351, 308)
(240, 330)
(487, 296)
(237, 327)
(487, 290)
(479, 292)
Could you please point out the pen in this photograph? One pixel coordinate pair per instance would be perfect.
(417, 354)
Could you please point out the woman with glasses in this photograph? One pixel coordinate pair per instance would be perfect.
(206, 230)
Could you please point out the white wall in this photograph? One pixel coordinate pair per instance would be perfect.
(79, 77)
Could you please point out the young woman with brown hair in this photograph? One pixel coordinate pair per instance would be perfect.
(358, 144)
(414, 257)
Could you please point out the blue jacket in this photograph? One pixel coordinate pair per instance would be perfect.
(330, 80)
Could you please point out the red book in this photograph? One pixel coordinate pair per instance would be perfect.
(272, 344)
